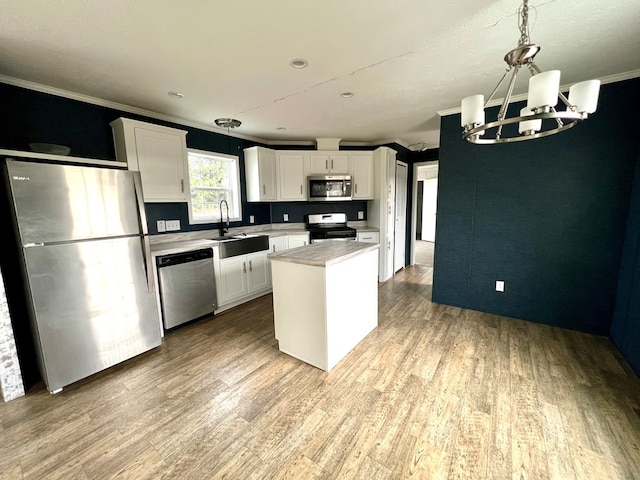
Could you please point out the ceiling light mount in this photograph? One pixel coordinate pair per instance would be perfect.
(542, 98)
(176, 94)
(227, 123)
(347, 94)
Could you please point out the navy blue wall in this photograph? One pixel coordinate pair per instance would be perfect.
(625, 329)
(547, 216)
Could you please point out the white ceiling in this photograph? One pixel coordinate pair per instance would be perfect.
(404, 60)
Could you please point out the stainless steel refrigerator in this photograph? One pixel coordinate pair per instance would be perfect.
(87, 268)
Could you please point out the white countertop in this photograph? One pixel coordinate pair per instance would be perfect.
(323, 254)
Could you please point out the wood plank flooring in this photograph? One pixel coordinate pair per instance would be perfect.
(435, 392)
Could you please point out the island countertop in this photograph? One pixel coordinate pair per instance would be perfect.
(323, 254)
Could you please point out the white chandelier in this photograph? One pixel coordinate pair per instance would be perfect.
(544, 91)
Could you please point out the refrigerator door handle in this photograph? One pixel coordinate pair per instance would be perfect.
(142, 216)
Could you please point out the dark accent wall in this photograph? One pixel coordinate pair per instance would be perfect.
(546, 216)
(625, 329)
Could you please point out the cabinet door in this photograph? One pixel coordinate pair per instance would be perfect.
(233, 279)
(318, 163)
(268, 174)
(294, 241)
(161, 162)
(362, 173)
(339, 163)
(258, 274)
(277, 244)
(292, 176)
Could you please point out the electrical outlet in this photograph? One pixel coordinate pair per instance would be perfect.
(499, 286)
(360, 215)
(173, 225)
(285, 217)
(161, 226)
(251, 219)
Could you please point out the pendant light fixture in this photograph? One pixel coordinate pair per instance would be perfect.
(544, 92)
(228, 123)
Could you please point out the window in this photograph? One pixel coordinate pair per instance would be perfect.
(213, 177)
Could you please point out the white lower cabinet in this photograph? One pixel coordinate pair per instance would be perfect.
(242, 276)
(277, 244)
(368, 237)
(294, 241)
(245, 277)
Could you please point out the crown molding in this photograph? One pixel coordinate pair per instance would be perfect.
(17, 82)
(618, 77)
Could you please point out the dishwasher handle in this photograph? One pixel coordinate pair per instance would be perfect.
(184, 257)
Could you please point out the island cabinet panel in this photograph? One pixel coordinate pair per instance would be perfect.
(322, 311)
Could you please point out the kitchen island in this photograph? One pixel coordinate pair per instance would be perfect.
(325, 299)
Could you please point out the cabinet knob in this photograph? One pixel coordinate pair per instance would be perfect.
(326, 164)
(250, 266)
(244, 267)
(182, 185)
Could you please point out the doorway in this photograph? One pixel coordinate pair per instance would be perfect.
(423, 222)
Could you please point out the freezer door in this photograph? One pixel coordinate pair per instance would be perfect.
(92, 308)
(57, 203)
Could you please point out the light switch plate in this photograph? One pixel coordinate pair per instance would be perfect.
(173, 225)
(286, 217)
(251, 219)
(499, 286)
(161, 226)
(360, 215)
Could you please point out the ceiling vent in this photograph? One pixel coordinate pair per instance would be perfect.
(328, 143)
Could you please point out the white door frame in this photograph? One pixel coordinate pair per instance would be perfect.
(414, 219)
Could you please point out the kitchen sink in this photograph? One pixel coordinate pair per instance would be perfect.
(232, 246)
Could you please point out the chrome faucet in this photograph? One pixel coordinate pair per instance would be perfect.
(223, 229)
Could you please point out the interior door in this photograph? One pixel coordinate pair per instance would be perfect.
(401, 216)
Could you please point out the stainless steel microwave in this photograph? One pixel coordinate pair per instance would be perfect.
(329, 188)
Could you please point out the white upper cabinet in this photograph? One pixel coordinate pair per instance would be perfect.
(329, 163)
(158, 153)
(292, 176)
(362, 175)
(261, 174)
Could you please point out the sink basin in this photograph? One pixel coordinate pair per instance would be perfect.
(223, 239)
(242, 245)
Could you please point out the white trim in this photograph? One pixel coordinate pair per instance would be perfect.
(618, 77)
(414, 219)
(236, 162)
(120, 106)
(62, 158)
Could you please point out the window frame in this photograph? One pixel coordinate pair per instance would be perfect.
(237, 189)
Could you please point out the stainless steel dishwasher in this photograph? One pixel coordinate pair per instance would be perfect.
(187, 286)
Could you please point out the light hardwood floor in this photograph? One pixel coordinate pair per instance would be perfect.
(434, 392)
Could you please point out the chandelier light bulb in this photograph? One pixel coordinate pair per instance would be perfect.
(472, 110)
(543, 90)
(584, 96)
(528, 126)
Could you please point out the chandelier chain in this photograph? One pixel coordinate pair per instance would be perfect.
(524, 23)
